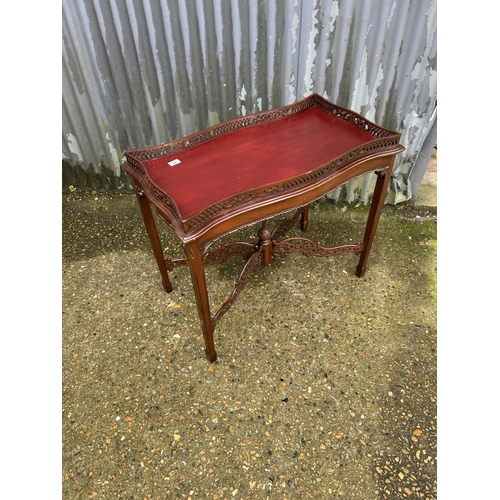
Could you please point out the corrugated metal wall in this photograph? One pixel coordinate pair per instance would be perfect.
(142, 72)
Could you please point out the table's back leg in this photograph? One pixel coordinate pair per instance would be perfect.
(195, 261)
(384, 176)
(149, 222)
(304, 219)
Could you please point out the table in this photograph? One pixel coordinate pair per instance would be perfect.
(248, 170)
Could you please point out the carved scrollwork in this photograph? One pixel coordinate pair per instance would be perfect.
(253, 254)
(282, 228)
(351, 117)
(253, 263)
(219, 255)
(225, 252)
(310, 249)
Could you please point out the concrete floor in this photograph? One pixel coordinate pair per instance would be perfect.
(325, 386)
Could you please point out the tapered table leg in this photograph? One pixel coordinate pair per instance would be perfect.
(195, 261)
(149, 222)
(384, 176)
(304, 219)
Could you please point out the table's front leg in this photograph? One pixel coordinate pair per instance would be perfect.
(384, 176)
(195, 262)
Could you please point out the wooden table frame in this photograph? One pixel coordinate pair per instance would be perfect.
(258, 203)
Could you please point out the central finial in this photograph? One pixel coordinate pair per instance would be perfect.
(265, 243)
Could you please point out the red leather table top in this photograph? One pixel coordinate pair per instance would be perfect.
(253, 156)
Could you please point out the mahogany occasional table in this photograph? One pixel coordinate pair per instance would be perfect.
(251, 169)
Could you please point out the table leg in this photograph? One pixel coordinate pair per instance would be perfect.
(195, 261)
(304, 219)
(149, 222)
(384, 176)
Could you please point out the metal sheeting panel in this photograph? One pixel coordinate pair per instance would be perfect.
(143, 72)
